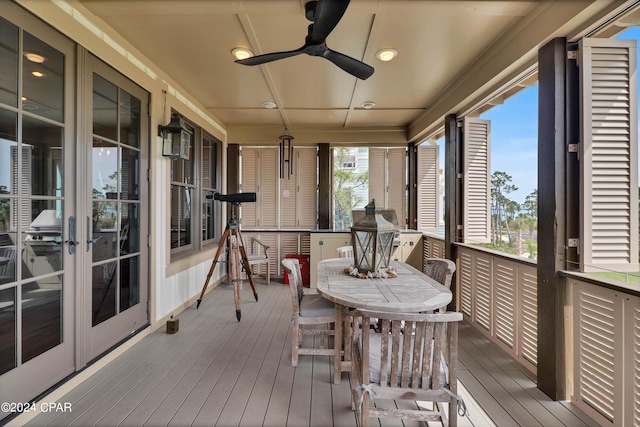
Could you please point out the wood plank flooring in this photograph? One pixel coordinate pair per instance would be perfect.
(217, 371)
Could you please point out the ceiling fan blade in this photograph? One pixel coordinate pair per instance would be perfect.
(268, 57)
(328, 14)
(349, 64)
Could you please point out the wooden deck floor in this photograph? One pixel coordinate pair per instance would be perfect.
(217, 371)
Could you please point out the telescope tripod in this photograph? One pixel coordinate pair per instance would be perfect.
(232, 231)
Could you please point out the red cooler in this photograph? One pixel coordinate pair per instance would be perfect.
(303, 260)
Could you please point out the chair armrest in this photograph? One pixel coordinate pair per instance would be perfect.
(265, 247)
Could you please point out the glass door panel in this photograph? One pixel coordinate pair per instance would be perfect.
(37, 202)
(119, 289)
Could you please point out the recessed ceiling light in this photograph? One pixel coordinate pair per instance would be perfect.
(368, 105)
(35, 57)
(386, 55)
(37, 73)
(269, 104)
(241, 53)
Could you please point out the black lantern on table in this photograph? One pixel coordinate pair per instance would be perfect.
(372, 238)
(176, 138)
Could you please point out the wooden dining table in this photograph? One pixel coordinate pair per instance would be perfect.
(411, 291)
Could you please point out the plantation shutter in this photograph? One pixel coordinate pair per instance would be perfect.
(307, 176)
(388, 180)
(428, 187)
(477, 181)
(397, 183)
(267, 198)
(609, 155)
(377, 178)
(298, 210)
(250, 159)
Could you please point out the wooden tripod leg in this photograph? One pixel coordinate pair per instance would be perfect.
(245, 263)
(223, 241)
(235, 276)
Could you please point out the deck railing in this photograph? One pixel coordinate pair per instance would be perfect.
(605, 350)
(497, 294)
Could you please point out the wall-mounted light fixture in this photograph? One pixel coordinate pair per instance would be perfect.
(286, 155)
(176, 138)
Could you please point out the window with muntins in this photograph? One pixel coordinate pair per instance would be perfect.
(195, 216)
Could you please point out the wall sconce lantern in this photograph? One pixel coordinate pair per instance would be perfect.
(372, 238)
(176, 138)
(286, 155)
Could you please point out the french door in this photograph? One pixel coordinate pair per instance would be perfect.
(74, 140)
(37, 204)
(114, 248)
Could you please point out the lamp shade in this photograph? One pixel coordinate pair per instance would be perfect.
(372, 238)
(176, 138)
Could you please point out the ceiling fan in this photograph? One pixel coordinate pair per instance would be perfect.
(325, 15)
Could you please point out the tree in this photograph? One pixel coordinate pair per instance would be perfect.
(4, 210)
(345, 182)
(501, 205)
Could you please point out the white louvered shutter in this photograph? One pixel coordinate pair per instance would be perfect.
(307, 177)
(388, 180)
(477, 181)
(250, 160)
(268, 196)
(428, 188)
(609, 155)
(377, 176)
(289, 204)
(397, 183)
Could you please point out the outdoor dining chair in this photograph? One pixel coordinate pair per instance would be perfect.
(439, 269)
(312, 315)
(403, 371)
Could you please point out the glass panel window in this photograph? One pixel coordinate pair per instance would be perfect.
(41, 316)
(7, 329)
(42, 239)
(8, 64)
(195, 216)
(209, 187)
(129, 283)
(104, 289)
(129, 119)
(105, 108)
(43, 79)
(42, 146)
(8, 146)
(350, 183)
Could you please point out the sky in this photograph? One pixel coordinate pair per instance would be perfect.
(514, 136)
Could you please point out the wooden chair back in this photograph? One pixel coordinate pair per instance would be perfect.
(413, 358)
(311, 315)
(345, 252)
(439, 269)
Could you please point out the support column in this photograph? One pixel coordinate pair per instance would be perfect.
(412, 172)
(453, 202)
(556, 202)
(325, 187)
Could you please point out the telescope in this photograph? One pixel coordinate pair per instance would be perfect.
(234, 198)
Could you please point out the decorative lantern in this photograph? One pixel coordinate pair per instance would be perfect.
(372, 239)
(176, 138)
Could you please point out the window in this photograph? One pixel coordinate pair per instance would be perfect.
(362, 174)
(193, 183)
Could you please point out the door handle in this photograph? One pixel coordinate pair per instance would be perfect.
(90, 241)
(72, 242)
